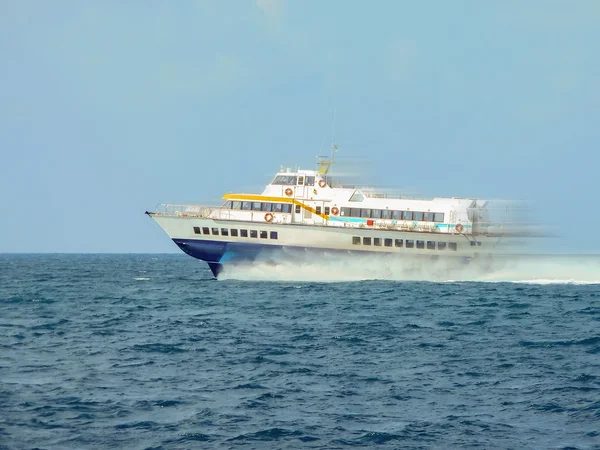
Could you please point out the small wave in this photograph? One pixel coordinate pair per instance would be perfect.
(141, 278)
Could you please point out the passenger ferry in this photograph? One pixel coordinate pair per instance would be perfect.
(309, 211)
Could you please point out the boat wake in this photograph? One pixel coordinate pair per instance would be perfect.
(529, 269)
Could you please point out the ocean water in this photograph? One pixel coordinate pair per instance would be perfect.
(150, 352)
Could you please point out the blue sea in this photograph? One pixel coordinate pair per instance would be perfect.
(151, 352)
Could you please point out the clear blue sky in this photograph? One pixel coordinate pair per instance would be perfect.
(109, 107)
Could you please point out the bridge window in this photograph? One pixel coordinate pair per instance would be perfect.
(227, 205)
(366, 241)
(215, 231)
(407, 215)
(273, 234)
(197, 230)
(309, 181)
(205, 230)
(224, 232)
(263, 234)
(418, 216)
(410, 243)
(246, 206)
(438, 217)
(267, 206)
(356, 240)
(244, 233)
(387, 242)
(420, 244)
(285, 180)
(452, 246)
(236, 205)
(430, 245)
(300, 181)
(399, 243)
(253, 233)
(441, 246)
(234, 232)
(377, 242)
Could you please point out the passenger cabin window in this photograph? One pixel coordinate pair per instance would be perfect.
(246, 206)
(318, 210)
(399, 243)
(386, 214)
(418, 216)
(428, 216)
(197, 230)
(327, 210)
(253, 233)
(366, 241)
(244, 233)
(345, 212)
(420, 244)
(441, 246)
(256, 206)
(356, 240)
(236, 205)
(407, 215)
(397, 215)
(276, 207)
(387, 242)
(376, 214)
(263, 234)
(377, 242)
(366, 213)
(438, 217)
(452, 246)
(267, 206)
(224, 232)
(234, 232)
(286, 208)
(273, 234)
(430, 245)
(410, 243)
(215, 231)
(205, 230)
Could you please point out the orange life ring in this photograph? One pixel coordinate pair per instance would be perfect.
(289, 192)
(322, 183)
(335, 211)
(458, 228)
(269, 217)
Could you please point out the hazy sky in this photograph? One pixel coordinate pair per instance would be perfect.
(110, 107)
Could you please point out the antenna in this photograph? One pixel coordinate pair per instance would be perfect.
(333, 126)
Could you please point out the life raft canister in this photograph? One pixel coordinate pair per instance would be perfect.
(269, 217)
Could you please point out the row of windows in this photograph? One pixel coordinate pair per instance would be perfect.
(292, 180)
(396, 215)
(259, 206)
(235, 232)
(408, 243)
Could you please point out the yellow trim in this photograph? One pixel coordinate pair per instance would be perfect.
(267, 198)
